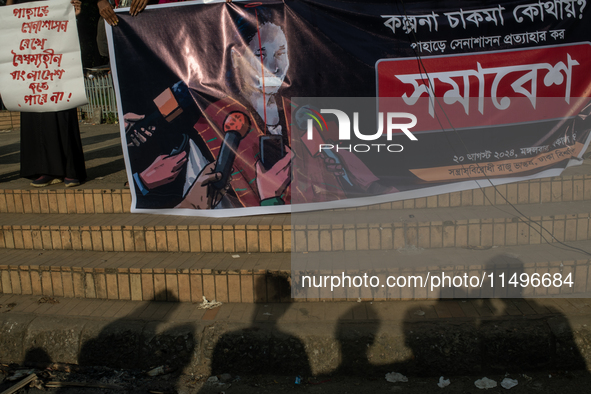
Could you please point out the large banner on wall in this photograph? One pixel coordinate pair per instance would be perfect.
(240, 108)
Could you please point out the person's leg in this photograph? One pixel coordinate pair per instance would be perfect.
(37, 135)
(74, 166)
(101, 38)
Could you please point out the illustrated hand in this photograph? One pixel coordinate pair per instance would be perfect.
(273, 182)
(332, 166)
(77, 6)
(106, 10)
(202, 194)
(137, 6)
(135, 137)
(129, 119)
(163, 170)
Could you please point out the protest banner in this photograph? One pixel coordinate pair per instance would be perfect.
(40, 64)
(241, 108)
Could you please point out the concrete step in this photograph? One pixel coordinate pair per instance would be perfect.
(89, 199)
(9, 120)
(261, 277)
(141, 276)
(303, 232)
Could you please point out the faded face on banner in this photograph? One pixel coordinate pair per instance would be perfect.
(270, 46)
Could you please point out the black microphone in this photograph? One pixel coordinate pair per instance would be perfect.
(170, 104)
(236, 126)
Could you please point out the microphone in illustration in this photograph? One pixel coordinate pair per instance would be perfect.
(236, 126)
(171, 103)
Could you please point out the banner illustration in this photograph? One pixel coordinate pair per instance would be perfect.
(249, 108)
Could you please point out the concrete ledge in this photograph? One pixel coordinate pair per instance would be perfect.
(261, 277)
(323, 231)
(558, 189)
(13, 329)
(62, 341)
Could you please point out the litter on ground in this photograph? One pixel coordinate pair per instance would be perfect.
(443, 382)
(509, 383)
(395, 377)
(485, 383)
(209, 304)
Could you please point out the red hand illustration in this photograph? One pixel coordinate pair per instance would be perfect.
(273, 182)
(163, 170)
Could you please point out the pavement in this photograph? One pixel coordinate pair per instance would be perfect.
(417, 338)
(102, 152)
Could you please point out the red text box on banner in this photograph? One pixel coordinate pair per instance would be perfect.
(492, 88)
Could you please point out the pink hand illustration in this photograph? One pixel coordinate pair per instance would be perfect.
(135, 137)
(332, 166)
(130, 118)
(163, 170)
(273, 182)
(202, 194)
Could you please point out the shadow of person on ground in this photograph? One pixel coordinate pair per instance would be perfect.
(133, 343)
(494, 329)
(356, 340)
(122, 352)
(37, 358)
(243, 353)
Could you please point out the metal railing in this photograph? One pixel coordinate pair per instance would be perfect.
(100, 94)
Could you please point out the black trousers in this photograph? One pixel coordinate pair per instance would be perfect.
(51, 145)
